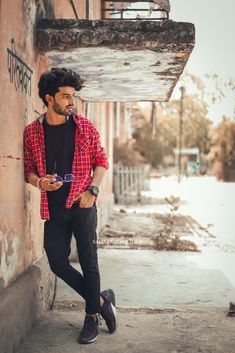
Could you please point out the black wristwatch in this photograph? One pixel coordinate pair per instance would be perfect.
(94, 190)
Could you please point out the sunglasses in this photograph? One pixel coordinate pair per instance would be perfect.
(67, 179)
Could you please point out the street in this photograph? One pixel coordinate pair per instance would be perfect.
(211, 203)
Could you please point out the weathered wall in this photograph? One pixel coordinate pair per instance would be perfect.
(122, 125)
(95, 10)
(22, 302)
(25, 276)
(21, 230)
(64, 9)
(102, 115)
(115, 52)
(91, 12)
(20, 225)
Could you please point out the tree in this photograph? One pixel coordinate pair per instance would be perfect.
(158, 148)
(223, 143)
(124, 154)
(147, 144)
(196, 124)
(223, 150)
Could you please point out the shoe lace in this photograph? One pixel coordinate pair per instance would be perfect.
(89, 320)
(99, 318)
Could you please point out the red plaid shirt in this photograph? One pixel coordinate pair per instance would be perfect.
(88, 154)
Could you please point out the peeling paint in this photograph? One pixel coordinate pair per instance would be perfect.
(9, 253)
(182, 55)
(114, 75)
(11, 157)
(119, 60)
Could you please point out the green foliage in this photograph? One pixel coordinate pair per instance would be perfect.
(159, 148)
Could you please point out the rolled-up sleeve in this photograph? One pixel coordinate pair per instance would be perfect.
(29, 163)
(99, 157)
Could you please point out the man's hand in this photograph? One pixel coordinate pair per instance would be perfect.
(86, 199)
(45, 183)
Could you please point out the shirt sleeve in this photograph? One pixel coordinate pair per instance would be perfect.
(99, 157)
(29, 163)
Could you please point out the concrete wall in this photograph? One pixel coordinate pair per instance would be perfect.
(23, 278)
(64, 9)
(20, 225)
(102, 115)
(21, 304)
(122, 121)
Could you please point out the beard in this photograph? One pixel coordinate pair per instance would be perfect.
(57, 109)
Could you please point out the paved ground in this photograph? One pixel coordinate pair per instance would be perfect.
(166, 303)
(189, 331)
(147, 278)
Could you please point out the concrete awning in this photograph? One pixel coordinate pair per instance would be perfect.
(119, 60)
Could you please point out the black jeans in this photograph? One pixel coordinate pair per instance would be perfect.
(82, 223)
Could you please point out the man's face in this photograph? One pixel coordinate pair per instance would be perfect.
(63, 101)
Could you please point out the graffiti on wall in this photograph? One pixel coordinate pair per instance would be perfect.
(20, 73)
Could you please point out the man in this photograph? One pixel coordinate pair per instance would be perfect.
(61, 150)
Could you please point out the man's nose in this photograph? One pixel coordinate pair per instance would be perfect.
(71, 101)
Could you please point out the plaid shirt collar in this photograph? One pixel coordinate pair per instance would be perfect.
(82, 127)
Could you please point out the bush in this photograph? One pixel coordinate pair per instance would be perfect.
(125, 154)
(223, 150)
(148, 146)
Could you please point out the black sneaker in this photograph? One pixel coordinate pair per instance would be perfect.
(89, 331)
(109, 294)
(108, 310)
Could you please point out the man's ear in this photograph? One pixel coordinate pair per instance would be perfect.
(49, 98)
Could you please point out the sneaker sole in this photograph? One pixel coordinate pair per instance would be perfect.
(87, 342)
(115, 315)
(110, 296)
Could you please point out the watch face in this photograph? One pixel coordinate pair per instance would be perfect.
(94, 190)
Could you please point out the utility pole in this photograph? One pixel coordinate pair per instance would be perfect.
(181, 113)
(153, 118)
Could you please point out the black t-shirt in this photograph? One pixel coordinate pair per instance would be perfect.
(59, 145)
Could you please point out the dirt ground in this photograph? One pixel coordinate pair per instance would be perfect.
(167, 303)
(157, 231)
(139, 331)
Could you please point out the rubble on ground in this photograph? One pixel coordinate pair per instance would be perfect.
(152, 231)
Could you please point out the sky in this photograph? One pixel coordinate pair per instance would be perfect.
(214, 50)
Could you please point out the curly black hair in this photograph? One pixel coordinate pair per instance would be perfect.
(50, 82)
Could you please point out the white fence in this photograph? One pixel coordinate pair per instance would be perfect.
(129, 182)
